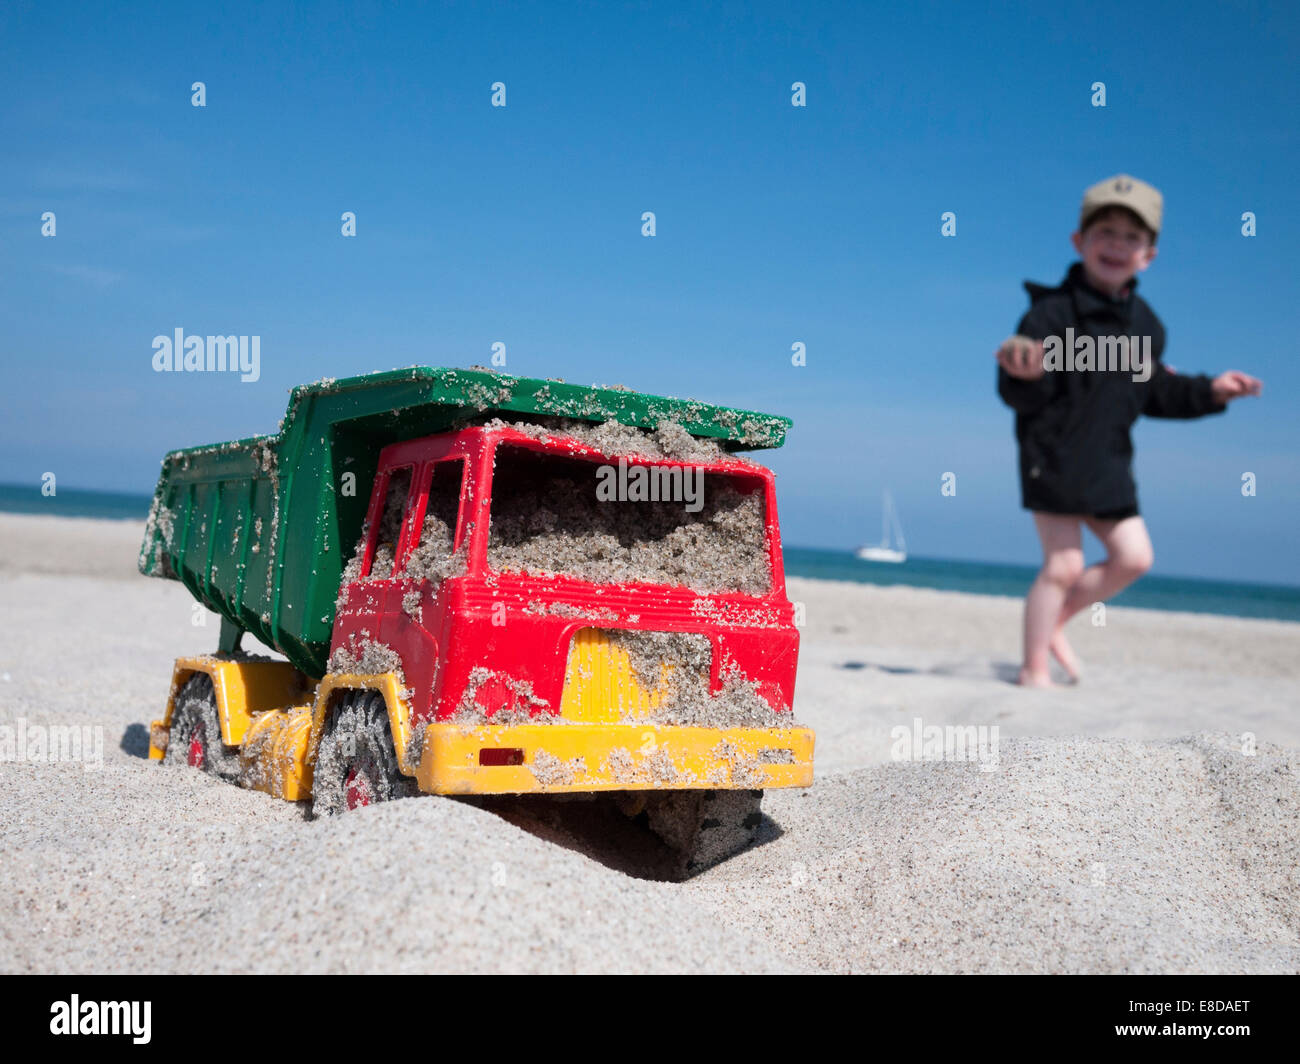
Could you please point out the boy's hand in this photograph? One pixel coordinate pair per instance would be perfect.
(1234, 385)
(1022, 357)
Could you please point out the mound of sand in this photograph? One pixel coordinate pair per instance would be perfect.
(1087, 856)
(145, 868)
(1072, 856)
(1129, 853)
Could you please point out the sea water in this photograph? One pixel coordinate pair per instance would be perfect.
(1152, 592)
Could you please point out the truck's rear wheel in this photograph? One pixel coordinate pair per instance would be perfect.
(703, 828)
(356, 763)
(195, 736)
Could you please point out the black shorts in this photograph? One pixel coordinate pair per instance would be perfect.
(1117, 515)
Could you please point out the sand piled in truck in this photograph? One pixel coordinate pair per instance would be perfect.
(553, 515)
(549, 518)
(433, 558)
(390, 525)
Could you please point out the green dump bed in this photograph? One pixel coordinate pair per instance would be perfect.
(259, 529)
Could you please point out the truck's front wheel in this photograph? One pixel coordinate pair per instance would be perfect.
(356, 763)
(195, 736)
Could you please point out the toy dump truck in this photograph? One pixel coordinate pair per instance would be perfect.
(489, 585)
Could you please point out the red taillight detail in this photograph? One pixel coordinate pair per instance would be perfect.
(501, 755)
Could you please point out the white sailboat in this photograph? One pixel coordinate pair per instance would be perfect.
(884, 552)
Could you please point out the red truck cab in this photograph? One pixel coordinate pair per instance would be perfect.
(478, 640)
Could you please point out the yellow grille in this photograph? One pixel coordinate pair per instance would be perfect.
(600, 686)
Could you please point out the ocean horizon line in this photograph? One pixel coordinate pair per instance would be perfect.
(1160, 591)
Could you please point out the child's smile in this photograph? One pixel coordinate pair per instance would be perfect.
(1114, 250)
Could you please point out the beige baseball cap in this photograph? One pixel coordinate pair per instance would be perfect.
(1124, 191)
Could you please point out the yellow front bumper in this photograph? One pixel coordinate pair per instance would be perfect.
(555, 758)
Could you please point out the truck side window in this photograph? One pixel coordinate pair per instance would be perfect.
(390, 524)
(434, 559)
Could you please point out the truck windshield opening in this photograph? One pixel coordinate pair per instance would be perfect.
(627, 521)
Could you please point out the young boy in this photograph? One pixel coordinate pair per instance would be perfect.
(1076, 396)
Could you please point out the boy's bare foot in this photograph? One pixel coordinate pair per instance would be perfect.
(1064, 653)
(1034, 679)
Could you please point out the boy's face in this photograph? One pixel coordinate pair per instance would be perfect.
(1114, 249)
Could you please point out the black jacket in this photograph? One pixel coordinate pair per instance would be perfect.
(1073, 426)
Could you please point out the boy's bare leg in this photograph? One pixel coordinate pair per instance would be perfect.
(1128, 556)
(1063, 652)
(1062, 542)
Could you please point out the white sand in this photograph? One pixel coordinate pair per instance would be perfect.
(1140, 848)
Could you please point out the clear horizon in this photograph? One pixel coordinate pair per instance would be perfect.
(145, 497)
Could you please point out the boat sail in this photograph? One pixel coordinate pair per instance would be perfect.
(884, 552)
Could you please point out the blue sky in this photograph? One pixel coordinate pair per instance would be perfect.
(775, 224)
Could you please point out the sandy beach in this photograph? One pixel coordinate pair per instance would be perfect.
(1145, 821)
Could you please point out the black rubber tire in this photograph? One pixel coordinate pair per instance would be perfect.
(357, 739)
(195, 711)
(703, 828)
